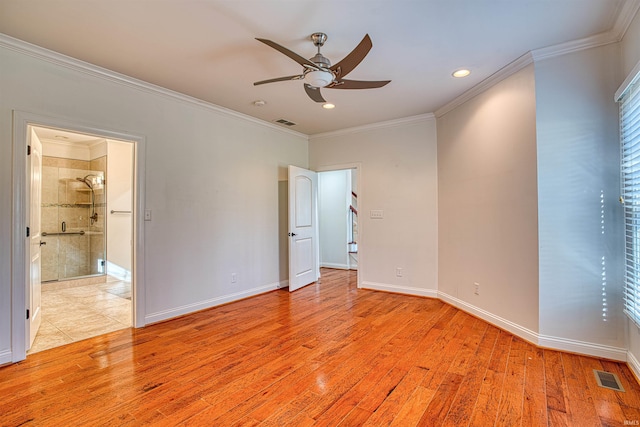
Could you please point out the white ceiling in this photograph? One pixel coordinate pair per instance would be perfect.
(207, 48)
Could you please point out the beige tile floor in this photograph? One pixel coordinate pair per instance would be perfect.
(72, 314)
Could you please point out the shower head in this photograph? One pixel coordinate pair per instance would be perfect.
(91, 180)
(85, 182)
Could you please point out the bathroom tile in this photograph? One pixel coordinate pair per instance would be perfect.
(49, 337)
(73, 313)
(49, 185)
(88, 327)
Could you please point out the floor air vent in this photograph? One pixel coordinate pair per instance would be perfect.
(285, 122)
(608, 380)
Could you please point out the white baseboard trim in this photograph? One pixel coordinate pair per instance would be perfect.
(562, 344)
(633, 364)
(202, 305)
(6, 357)
(333, 265)
(507, 325)
(282, 284)
(582, 347)
(118, 272)
(409, 290)
(554, 343)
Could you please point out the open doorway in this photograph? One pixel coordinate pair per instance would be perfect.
(338, 218)
(84, 211)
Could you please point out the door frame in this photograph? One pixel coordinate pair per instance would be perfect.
(358, 167)
(20, 213)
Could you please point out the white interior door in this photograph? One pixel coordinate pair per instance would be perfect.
(35, 200)
(303, 228)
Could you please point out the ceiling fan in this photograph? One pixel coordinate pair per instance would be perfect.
(318, 72)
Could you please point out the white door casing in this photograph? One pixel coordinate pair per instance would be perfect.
(303, 224)
(35, 260)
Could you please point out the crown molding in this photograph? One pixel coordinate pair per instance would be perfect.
(375, 126)
(561, 49)
(59, 59)
(625, 14)
(497, 77)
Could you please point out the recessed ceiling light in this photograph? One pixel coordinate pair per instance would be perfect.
(60, 137)
(259, 103)
(328, 106)
(461, 73)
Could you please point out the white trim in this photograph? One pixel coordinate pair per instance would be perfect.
(625, 16)
(627, 12)
(5, 357)
(631, 78)
(118, 272)
(633, 364)
(502, 323)
(408, 290)
(487, 83)
(582, 347)
(112, 76)
(19, 221)
(334, 265)
(203, 305)
(282, 284)
(572, 46)
(556, 343)
(375, 126)
(19, 264)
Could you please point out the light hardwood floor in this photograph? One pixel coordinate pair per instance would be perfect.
(327, 355)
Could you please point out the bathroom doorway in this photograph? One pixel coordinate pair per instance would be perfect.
(86, 225)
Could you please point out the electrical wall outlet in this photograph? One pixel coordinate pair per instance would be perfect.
(376, 214)
(398, 272)
(476, 288)
(147, 214)
(234, 277)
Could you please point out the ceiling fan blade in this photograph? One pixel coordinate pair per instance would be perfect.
(358, 84)
(280, 79)
(313, 92)
(299, 59)
(352, 60)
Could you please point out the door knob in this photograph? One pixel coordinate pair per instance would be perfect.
(43, 243)
(292, 234)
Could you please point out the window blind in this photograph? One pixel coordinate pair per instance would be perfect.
(630, 171)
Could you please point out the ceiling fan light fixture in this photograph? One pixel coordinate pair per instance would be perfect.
(318, 78)
(463, 72)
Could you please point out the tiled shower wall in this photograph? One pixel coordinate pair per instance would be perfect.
(64, 199)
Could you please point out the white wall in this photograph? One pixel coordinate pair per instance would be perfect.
(630, 48)
(398, 176)
(580, 218)
(211, 182)
(333, 189)
(119, 187)
(630, 57)
(488, 203)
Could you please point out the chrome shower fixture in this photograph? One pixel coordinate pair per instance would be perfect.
(92, 181)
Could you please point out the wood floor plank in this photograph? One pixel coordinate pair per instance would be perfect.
(534, 408)
(465, 401)
(511, 401)
(486, 409)
(580, 401)
(326, 355)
